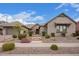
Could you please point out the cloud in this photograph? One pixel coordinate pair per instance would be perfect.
(61, 5)
(38, 18)
(23, 17)
(77, 19)
(75, 6)
(66, 10)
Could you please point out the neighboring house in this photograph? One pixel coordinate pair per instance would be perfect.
(77, 27)
(36, 29)
(61, 24)
(11, 28)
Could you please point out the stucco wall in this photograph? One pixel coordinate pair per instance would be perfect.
(61, 20)
(35, 27)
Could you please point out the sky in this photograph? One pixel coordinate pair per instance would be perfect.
(31, 13)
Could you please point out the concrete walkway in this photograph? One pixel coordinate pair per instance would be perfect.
(45, 44)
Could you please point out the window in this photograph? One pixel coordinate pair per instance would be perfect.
(9, 31)
(61, 28)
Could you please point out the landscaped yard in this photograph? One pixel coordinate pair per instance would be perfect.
(61, 40)
(46, 40)
(42, 50)
(66, 45)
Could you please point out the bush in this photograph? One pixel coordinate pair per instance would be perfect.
(20, 36)
(78, 38)
(53, 34)
(74, 34)
(63, 34)
(77, 33)
(54, 47)
(14, 36)
(47, 36)
(44, 33)
(30, 33)
(8, 46)
(24, 40)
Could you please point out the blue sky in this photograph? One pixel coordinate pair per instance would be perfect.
(36, 12)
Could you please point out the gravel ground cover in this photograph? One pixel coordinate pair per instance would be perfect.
(61, 40)
(42, 50)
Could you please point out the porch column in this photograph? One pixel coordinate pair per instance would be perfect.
(4, 33)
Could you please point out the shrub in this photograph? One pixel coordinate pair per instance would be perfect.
(8, 46)
(53, 34)
(20, 36)
(63, 34)
(30, 33)
(47, 36)
(44, 33)
(75, 34)
(14, 36)
(24, 40)
(54, 47)
(78, 38)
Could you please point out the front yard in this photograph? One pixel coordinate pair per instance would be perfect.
(61, 40)
(40, 45)
(69, 39)
(42, 50)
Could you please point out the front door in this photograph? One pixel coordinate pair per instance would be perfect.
(37, 31)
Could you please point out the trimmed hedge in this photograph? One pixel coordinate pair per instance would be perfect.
(8, 46)
(54, 47)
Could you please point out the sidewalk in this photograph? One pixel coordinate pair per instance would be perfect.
(45, 44)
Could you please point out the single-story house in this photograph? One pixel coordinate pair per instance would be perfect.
(36, 29)
(10, 29)
(60, 24)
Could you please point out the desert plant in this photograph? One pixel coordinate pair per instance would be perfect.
(63, 34)
(44, 33)
(54, 47)
(47, 36)
(30, 33)
(74, 34)
(14, 36)
(53, 34)
(8, 46)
